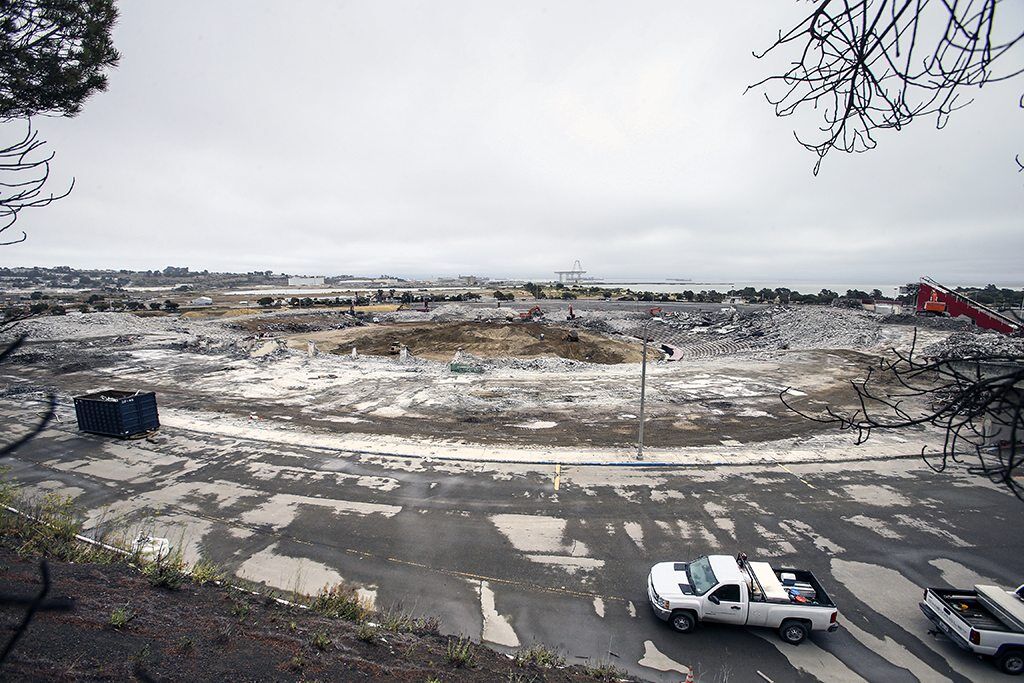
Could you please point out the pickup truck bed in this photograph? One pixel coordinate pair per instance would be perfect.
(986, 621)
(972, 610)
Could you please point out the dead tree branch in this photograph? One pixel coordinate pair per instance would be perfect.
(872, 65)
(23, 175)
(977, 400)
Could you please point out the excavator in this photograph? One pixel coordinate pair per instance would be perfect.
(532, 314)
(933, 306)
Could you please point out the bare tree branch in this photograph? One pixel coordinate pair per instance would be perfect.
(977, 400)
(872, 65)
(24, 171)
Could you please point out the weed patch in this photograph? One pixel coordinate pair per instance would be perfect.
(539, 655)
(184, 645)
(459, 652)
(339, 602)
(367, 633)
(166, 572)
(205, 571)
(603, 672)
(320, 640)
(119, 617)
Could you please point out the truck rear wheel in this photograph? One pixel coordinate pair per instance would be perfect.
(793, 632)
(1011, 662)
(684, 622)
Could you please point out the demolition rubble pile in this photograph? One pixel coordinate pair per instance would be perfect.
(976, 345)
(451, 313)
(688, 334)
(779, 327)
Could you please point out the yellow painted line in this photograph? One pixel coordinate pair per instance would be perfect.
(795, 475)
(558, 475)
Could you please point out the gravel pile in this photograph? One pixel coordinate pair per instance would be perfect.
(930, 322)
(448, 313)
(971, 344)
(826, 328)
(534, 364)
(72, 326)
(728, 331)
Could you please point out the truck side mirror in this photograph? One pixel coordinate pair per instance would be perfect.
(714, 599)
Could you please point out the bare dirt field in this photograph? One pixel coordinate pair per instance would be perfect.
(441, 341)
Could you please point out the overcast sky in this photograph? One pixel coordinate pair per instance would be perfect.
(505, 139)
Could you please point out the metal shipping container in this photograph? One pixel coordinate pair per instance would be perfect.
(117, 413)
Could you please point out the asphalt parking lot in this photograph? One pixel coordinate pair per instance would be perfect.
(513, 554)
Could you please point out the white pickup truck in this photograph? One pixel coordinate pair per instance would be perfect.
(987, 621)
(733, 590)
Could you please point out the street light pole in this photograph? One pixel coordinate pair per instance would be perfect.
(643, 391)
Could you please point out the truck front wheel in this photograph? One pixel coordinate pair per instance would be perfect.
(793, 632)
(1011, 662)
(684, 622)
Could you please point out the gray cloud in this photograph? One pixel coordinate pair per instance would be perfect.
(435, 138)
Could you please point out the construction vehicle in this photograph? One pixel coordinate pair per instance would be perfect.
(933, 306)
(532, 314)
(936, 299)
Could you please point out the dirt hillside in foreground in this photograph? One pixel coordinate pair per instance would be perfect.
(212, 633)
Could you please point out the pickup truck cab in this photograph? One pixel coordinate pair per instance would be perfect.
(987, 621)
(732, 590)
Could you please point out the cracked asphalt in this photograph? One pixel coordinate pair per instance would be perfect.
(515, 554)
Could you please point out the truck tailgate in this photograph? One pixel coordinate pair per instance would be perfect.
(948, 621)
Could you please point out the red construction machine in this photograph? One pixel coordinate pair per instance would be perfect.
(936, 299)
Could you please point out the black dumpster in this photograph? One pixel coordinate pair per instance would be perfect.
(117, 413)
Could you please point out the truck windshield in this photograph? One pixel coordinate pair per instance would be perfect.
(701, 577)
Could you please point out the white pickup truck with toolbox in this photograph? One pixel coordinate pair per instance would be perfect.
(987, 621)
(733, 590)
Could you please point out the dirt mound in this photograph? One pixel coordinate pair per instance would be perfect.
(440, 341)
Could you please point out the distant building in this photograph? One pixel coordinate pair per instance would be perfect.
(301, 281)
(201, 301)
(883, 307)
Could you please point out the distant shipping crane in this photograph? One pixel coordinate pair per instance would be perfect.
(572, 276)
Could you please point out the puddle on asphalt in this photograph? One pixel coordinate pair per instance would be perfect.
(653, 659)
(496, 627)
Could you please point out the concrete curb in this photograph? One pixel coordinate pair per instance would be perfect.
(582, 463)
